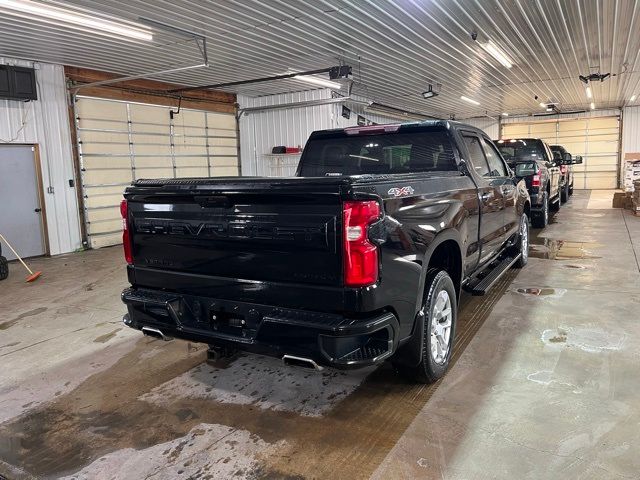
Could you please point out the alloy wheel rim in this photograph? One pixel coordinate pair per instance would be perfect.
(441, 327)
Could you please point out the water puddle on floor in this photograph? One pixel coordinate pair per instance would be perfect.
(542, 292)
(552, 249)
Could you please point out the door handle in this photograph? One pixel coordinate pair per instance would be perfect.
(37, 210)
(486, 196)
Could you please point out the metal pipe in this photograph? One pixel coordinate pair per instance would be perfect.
(308, 103)
(139, 76)
(246, 82)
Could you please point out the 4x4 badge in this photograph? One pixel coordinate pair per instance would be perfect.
(400, 192)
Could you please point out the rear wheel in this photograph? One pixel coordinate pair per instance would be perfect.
(522, 243)
(439, 315)
(541, 218)
(564, 194)
(4, 268)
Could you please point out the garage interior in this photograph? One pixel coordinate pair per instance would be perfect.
(543, 381)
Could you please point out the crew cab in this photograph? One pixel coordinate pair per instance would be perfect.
(532, 160)
(565, 161)
(360, 258)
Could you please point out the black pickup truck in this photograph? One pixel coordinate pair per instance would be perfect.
(531, 160)
(360, 258)
(565, 161)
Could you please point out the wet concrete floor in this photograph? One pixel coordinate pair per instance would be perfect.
(83, 397)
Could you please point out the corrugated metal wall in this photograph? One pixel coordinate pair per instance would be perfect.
(260, 132)
(490, 126)
(46, 124)
(630, 130)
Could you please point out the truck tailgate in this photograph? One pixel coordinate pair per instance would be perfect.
(285, 230)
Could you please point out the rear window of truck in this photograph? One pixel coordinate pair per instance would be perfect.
(525, 169)
(397, 152)
(525, 149)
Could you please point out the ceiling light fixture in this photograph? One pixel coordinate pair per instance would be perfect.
(633, 98)
(505, 114)
(50, 12)
(431, 92)
(316, 81)
(470, 100)
(588, 91)
(543, 105)
(593, 106)
(492, 49)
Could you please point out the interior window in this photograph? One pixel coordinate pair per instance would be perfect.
(497, 167)
(477, 157)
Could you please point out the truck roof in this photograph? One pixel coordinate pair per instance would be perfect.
(400, 126)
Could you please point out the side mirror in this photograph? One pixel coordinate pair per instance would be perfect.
(463, 167)
(566, 158)
(577, 159)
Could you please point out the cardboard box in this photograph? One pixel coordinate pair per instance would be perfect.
(618, 200)
(632, 156)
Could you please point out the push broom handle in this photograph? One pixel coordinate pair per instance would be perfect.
(16, 254)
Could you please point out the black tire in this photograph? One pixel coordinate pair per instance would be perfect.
(4, 268)
(430, 369)
(564, 194)
(540, 219)
(522, 242)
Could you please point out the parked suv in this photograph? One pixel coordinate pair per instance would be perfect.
(565, 161)
(361, 258)
(532, 160)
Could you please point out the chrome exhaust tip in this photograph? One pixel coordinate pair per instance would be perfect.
(303, 362)
(154, 332)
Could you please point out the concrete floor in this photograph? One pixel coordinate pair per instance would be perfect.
(544, 383)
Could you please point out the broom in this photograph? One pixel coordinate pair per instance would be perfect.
(32, 276)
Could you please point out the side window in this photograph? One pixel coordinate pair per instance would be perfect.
(477, 157)
(496, 165)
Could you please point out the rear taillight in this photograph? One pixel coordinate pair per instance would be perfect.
(126, 236)
(360, 255)
(563, 169)
(535, 181)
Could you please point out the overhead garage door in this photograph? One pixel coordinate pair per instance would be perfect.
(121, 141)
(596, 139)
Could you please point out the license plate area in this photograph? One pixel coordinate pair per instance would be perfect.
(233, 320)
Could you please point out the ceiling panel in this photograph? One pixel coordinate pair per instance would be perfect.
(395, 47)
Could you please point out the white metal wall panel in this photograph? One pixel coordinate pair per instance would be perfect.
(595, 137)
(630, 130)
(260, 132)
(488, 125)
(123, 141)
(45, 122)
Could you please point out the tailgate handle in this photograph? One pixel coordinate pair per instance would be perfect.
(219, 201)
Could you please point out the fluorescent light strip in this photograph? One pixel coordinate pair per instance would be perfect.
(505, 114)
(633, 98)
(543, 105)
(69, 16)
(470, 100)
(493, 50)
(588, 91)
(593, 106)
(317, 81)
